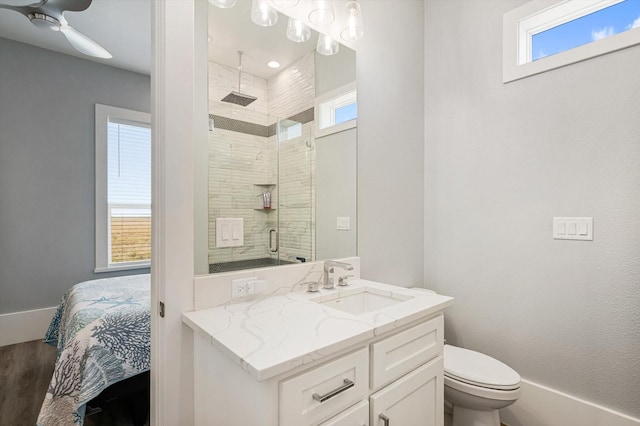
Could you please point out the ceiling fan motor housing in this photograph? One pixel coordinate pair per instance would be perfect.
(43, 21)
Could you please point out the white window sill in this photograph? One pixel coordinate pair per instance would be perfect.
(337, 128)
(122, 267)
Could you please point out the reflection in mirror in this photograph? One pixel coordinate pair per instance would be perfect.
(278, 191)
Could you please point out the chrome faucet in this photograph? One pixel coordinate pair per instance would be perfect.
(329, 280)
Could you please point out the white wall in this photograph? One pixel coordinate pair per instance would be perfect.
(501, 160)
(390, 74)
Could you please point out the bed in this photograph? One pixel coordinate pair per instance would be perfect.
(102, 331)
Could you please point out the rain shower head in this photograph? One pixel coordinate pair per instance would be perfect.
(238, 97)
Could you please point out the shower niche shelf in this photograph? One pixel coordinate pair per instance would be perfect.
(261, 188)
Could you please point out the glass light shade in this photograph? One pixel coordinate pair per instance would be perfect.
(327, 46)
(223, 4)
(286, 3)
(262, 14)
(297, 31)
(322, 13)
(355, 26)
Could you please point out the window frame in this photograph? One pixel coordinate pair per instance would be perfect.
(103, 115)
(331, 101)
(520, 24)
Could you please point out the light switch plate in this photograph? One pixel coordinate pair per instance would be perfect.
(343, 223)
(229, 232)
(573, 228)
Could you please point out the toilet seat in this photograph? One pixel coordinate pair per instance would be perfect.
(487, 393)
(464, 366)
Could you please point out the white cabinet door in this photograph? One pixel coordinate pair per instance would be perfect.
(397, 355)
(413, 400)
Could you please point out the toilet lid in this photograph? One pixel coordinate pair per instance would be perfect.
(478, 369)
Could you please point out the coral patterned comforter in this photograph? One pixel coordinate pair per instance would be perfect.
(102, 330)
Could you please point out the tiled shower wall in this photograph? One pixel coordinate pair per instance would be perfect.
(242, 161)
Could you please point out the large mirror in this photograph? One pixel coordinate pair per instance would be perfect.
(281, 148)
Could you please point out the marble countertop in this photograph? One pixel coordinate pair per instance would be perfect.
(272, 335)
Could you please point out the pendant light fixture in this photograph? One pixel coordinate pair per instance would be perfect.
(223, 4)
(326, 45)
(355, 26)
(262, 14)
(322, 13)
(297, 31)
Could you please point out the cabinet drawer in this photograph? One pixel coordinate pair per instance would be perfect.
(397, 355)
(320, 393)
(358, 415)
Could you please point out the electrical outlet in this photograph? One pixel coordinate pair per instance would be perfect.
(240, 288)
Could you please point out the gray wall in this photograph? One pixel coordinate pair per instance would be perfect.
(334, 71)
(501, 160)
(390, 71)
(47, 168)
(336, 164)
(335, 194)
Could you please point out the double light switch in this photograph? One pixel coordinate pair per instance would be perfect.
(229, 232)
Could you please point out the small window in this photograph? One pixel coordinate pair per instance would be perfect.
(347, 112)
(538, 37)
(337, 110)
(123, 189)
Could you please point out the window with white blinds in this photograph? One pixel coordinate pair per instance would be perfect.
(123, 189)
(129, 191)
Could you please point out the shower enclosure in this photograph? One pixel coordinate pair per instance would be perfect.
(249, 164)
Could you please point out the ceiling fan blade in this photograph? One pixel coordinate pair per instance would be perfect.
(84, 44)
(19, 9)
(70, 5)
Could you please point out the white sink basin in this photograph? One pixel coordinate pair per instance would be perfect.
(363, 301)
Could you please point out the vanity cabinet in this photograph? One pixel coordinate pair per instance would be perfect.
(393, 379)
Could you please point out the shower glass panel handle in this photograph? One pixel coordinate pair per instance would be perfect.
(273, 240)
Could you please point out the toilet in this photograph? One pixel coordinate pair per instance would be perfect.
(477, 386)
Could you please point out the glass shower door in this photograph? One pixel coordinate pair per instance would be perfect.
(295, 191)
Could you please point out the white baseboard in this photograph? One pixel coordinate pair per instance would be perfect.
(18, 327)
(543, 406)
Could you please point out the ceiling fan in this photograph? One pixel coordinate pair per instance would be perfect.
(47, 14)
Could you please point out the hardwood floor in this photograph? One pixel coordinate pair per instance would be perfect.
(25, 372)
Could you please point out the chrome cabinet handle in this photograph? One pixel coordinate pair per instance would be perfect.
(348, 384)
(385, 419)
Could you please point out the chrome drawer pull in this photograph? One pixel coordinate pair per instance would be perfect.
(348, 384)
(385, 419)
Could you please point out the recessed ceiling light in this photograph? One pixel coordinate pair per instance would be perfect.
(273, 64)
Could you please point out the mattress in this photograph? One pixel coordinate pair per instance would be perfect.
(102, 330)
